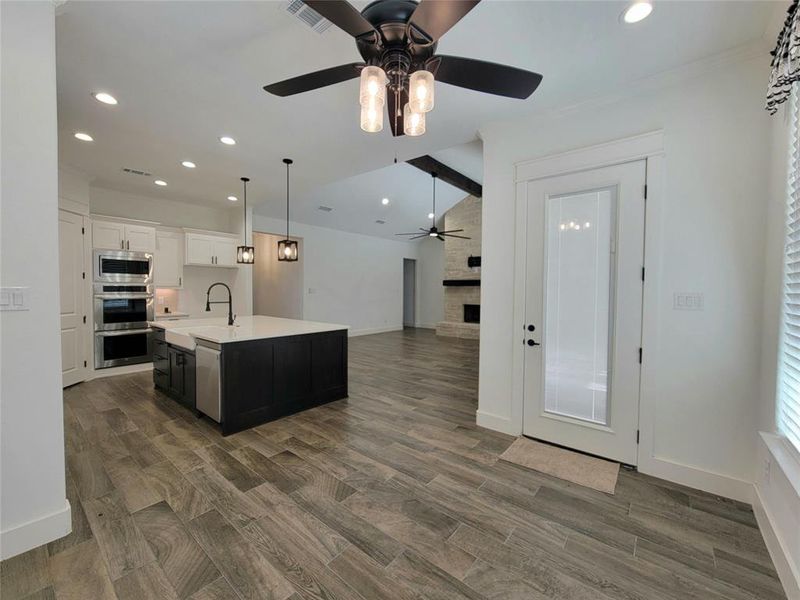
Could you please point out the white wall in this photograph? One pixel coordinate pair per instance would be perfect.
(33, 505)
(712, 224)
(351, 279)
(277, 285)
(430, 291)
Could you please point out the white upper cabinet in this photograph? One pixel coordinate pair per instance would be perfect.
(168, 261)
(111, 235)
(108, 236)
(210, 250)
(140, 238)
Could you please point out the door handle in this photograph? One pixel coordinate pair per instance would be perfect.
(532, 343)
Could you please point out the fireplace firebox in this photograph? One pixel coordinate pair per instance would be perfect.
(472, 313)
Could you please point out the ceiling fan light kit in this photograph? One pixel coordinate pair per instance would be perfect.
(397, 41)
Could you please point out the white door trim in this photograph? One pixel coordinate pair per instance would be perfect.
(648, 146)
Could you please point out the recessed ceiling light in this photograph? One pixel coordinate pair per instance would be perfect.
(385, 201)
(431, 215)
(637, 11)
(84, 137)
(160, 182)
(188, 164)
(227, 140)
(232, 198)
(105, 98)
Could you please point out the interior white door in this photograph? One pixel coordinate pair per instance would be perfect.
(74, 330)
(583, 309)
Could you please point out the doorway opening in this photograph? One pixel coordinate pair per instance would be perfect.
(409, 292)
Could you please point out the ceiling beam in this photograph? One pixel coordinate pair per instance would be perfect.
(430, 165)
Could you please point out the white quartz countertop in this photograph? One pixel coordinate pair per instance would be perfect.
(246, 328)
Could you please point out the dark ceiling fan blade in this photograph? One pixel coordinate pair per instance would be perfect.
(419, 237)
(434, 18)
(439, 237)
(463, 237)
(342, 14)
(315, 80)
(412, 233)
(482, 76)
(451, 231)
(395, 119)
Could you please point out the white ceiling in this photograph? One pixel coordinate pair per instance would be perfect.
(186, 73)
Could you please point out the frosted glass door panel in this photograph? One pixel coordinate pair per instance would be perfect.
(578, 284)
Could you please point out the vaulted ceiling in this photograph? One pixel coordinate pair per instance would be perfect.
(186, 73)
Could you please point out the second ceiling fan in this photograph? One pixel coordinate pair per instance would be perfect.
(433, 231)
(397, 40)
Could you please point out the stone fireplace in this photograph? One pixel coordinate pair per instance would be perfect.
(462, 272)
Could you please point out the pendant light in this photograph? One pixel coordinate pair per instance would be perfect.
(245, 255)
(287, 249)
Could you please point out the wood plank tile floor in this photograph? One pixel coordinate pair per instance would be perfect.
(392, 493)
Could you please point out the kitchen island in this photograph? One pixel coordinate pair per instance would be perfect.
(257, 370)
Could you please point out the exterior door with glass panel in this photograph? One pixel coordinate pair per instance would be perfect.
(583, 309)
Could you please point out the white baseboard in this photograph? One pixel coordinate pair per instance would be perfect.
(496, 423)
(359, 332)
(700, 479)
(425, 325)
(789, 578)
(34, 533)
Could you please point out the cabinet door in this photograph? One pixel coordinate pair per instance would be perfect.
(225, 251)
(199, 249)
(140, 238)
(168, 260)
(176, 381)
(107, 235)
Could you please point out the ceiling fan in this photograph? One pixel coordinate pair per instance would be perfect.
(397, 40)
(433, 231)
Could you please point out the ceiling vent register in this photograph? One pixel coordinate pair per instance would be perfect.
(325, 208)
(136, 172)
(307, 15)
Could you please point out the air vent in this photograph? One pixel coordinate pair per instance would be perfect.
(136, 172)
(325, 208)
(307, 15)
(379, 222)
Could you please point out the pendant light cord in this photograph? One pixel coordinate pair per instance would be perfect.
(287, 200)
(433, 176)
(244, 232)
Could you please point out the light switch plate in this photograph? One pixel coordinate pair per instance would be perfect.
(14, 298)
(687, 301)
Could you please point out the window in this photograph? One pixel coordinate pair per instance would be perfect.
(788, 410)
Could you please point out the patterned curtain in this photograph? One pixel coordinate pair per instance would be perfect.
(785, 61)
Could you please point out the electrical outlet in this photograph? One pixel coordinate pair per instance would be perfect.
(161, 299)
(687, 301)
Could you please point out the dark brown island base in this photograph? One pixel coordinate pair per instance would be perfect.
(258, 370)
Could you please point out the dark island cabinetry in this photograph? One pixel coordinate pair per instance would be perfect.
(174, 371)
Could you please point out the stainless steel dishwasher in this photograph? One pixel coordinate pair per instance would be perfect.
(209, 391)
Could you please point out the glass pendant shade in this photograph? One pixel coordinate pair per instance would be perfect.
(413, 122)
(372, 117)
(373, 87)
(420, 91)
(245, 255)
(287, 250)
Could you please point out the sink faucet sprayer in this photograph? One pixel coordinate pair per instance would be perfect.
(231, 316)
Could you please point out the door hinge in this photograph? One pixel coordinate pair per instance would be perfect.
(645, 191)
(83, 231)
(637, 436)
(640, 356)
(85, 364)
(642, 273)
(83, 275)
(84, 319)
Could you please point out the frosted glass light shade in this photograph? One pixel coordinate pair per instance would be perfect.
(373, 87)
(372, 117)
(413, 122)
(245, 255)
(420, 91)
(287, 250)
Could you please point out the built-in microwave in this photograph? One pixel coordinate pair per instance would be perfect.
(122, 306)
(122, 347)
(122, 266)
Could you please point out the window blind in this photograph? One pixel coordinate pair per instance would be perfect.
(788, 409)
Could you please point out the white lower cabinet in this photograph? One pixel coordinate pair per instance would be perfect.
(210, 250)
(168, 260)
